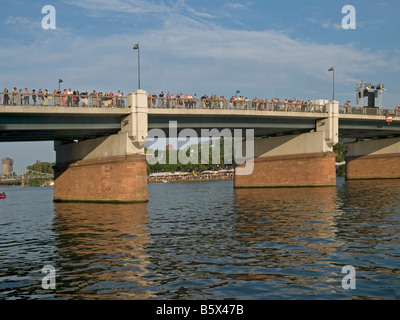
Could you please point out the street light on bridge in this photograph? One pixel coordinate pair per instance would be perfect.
(237, 91)
(59, 81)
(136, 47)
(333, 70)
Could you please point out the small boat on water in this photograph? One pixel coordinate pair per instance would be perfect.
(3, 195)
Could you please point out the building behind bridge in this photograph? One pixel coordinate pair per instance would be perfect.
(7, 165)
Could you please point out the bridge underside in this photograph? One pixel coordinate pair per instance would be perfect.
(264, 126)
(18, 124)
(350, 128)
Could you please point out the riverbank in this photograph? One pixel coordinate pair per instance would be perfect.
(171, 177)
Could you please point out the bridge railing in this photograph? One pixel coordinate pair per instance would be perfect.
(62, 100)
(368, 111)
(177, 103)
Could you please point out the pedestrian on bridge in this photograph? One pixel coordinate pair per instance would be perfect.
(34, 97)
(6, 97)
(26, 97)
(14, 96)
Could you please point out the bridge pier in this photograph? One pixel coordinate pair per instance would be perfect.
(106, 169)
(373, 159)
(299, 160)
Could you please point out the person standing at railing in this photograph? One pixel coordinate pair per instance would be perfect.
(56, 98)
(173, 101)
(119, 99)
(74, 99)
(180, 100)
(168, 100)
(85, 99)
(59, 98)
(231, 100)
(26, 97)
(161, 103)
(122, 100)
(64, 97)
(187, 101)
(223, 102)
(93, 99)
(69, 97)
(346, 107)
(309, 105)
(34, 97)
(14, 96)
(40, 96)
(47, 97)
(6, 97)
(216, 102)
(20, 97)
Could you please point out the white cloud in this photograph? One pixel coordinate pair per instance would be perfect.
(186, 54)
(234, 5)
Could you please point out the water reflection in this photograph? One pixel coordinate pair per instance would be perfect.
(205, 241)
(101, 251)
(370, 229)
(290, 230)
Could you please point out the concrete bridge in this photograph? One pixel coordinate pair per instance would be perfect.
(100, 151)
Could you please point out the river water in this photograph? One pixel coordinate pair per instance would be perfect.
(205, 240)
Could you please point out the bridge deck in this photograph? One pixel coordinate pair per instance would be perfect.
(27, 123)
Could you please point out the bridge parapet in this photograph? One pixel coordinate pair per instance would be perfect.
(136, 124)
(330, 125)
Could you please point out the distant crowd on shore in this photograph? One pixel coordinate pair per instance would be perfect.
(66, 98)
(194, 176)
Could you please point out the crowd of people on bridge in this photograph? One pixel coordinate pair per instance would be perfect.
(189, 101)
(70, 98)
(65, 98)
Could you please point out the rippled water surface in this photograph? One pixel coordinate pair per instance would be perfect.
(205, 240)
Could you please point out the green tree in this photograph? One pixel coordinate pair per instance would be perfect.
(44, 167)
(340, 157)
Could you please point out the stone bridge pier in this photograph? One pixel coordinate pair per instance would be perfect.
(106, 169)
(373, 159)
(299, 160)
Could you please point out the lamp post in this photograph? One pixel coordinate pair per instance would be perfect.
(333, 70)
(59, 81)
(136, 47)
(237, 91)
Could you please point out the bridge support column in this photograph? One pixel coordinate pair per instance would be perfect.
(373, 159)
(300, 160)
(106, 169)
(291, 161)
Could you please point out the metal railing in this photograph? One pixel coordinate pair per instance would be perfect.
(100, 101)
(177, 103)
(368, 111)
(62, 100)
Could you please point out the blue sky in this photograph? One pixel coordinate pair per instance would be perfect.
(263, 48)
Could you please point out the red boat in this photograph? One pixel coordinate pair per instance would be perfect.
(2, 196)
